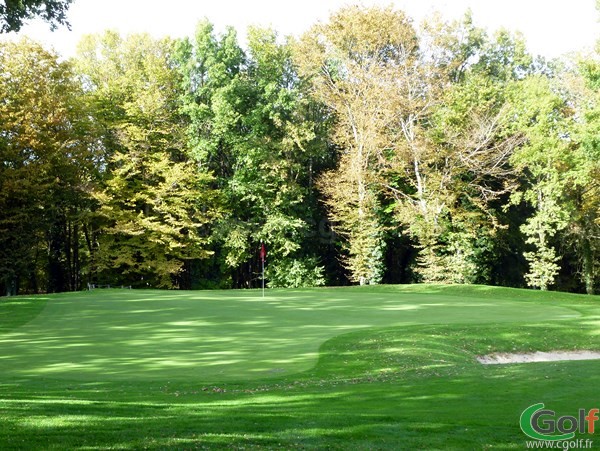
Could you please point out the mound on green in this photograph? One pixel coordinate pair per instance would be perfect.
(367, 367)
(224, 336)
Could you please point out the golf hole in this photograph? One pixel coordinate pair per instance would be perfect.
(504, 358)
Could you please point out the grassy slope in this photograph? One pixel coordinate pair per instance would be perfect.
(243, 371)
(225, 336)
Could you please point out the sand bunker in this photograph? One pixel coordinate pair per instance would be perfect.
(552, 356)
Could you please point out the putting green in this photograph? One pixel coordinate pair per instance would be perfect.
(225, 335)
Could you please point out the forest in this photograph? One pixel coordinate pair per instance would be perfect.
(371, 149)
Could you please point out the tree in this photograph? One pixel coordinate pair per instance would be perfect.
(155, 203)
(582, 88)
(46, 169)
(551, 165)
(250, 127)
(451, 164)
(287, 143)
(353, 62)
(414, 125)
(13, 13)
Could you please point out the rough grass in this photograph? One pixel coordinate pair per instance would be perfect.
(361, 368)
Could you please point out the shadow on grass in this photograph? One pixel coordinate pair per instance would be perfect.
(18, 311)
(394, 388)
(365, 415)
(225, 336)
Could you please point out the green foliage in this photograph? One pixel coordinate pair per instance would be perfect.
(552, 164)
(291, 273)
(250, 126)
(505, 57)
(583, 89)
(13, 14)
(46, 169)
(366, 248)
(459, 166)
(370, 149)
(351, 63)
(154, 202)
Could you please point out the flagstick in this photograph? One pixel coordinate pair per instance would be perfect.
(263, 276)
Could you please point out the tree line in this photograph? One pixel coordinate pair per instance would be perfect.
(369, 150)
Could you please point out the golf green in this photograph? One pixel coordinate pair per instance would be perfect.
(211, 336)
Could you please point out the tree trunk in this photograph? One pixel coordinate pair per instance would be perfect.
(89, 240)
(68, 247)
(12, 287)
(588, 266)
(76, 259)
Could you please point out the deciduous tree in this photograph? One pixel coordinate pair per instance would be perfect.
(251, 127)
(14, 13)
(154, 200)
(355, 62)
(46, 169)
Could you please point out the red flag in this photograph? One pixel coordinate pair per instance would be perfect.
(263, 252)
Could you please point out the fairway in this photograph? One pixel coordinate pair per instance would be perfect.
(213, 336)
(385, 367)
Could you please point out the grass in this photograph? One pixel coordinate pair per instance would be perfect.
(361, 368)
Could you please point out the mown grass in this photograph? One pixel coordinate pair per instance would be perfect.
(394, 368)
(17, 311)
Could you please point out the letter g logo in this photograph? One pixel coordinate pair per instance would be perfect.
(531, 427)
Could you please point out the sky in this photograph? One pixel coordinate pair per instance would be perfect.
(551, 28)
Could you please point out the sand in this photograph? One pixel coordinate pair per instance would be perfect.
(531, 357)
